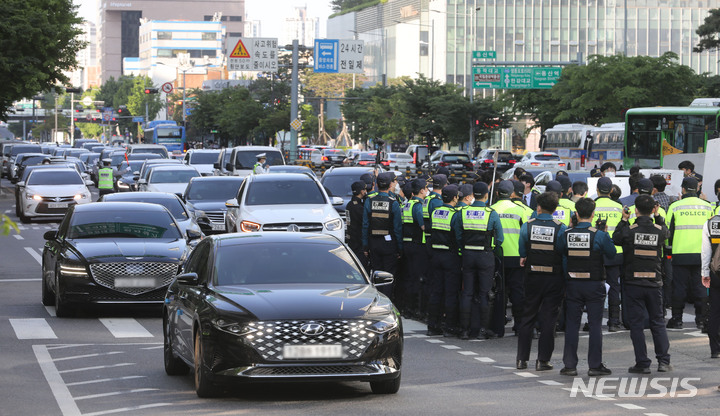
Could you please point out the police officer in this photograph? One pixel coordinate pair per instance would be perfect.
(565, 208)
(512, 217)
(481, 232)
(465, 192)
(445, 279)
(711, 281)
(642, 281)
(260, 165)
(105, 179)
(584, 248)
(608, 214)
(686, 218)
(354, 217)
(539, 254)
(414, 246)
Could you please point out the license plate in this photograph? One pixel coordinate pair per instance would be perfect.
(130, 282)
(312, 351)
(217, 227)
(456, 166)
(57, 204)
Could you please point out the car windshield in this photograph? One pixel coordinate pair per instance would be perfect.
(291, 169)
(456, 158)
(33, 160)
(135, 166)
(173, 176)
(340, 184)
(17, 149)
(546, 156)
(172, 204)
(246, 159)
(212, 190)
(284, 193)
(333, 152)
(155, 150)
(203, 158)
(55, 178)
(123, 224)
(286, 263)
(367, 156)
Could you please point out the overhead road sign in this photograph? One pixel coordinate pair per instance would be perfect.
(252, 54)
(339, 56)
(499, 77)
(484, 54)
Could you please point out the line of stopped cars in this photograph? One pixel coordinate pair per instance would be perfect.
(281, 298)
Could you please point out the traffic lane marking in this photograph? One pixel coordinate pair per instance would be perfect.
(64, 399)
(32, 328)
(125, 328)
(34, 255)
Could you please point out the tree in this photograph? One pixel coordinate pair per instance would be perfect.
(709, 32)
(39, 40)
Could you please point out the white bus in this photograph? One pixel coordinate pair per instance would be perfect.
(584, 146)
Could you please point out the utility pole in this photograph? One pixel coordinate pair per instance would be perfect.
(294, 98)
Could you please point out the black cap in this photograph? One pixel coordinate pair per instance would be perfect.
(480, 189)
(553, 186)
(406, 189)
(465, 190)
(368, 179)
(439, 180)
(645, 186)
(689, 183)
(595, 173)
(564, 182)
(385, 179)
(519, 188)
(449, 192)
(357, 187)
(442, 170)
(607, 165)
(560, 173)
(418, 185)
(604, 185)
(505, 189)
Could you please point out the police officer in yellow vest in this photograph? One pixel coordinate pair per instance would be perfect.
(105, 179)
(445, 279)
(711, 281)
(260, 165)
(414, 246)
(564, 212)
(685, 219)
(481, 231)
(608, 214)
(512, 217)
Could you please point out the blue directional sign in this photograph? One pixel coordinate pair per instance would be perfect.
(188, 111)
(326, 55)
(138, 119)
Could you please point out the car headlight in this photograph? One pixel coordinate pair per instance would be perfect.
(249, 227)
(80, 196)
(199, 214)
(233, 327)
(73, 269)
(333, 225)
(36, 197)
(386, 324)
(122, 185)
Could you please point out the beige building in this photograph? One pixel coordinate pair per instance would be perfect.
(118, 32)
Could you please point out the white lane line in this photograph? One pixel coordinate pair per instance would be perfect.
(450, 347)
(32, 328)
(76, 357)
(125, 328)
(550, 382)
(60, 347)
(603, 397)
(526, 374)
(435, 341)
(127, 409)
(629, 406)
(19, 280)
(467, 353)
(485, 359)
(98, 367)
(504, 368)
(113, 393)
(18, 237)
(51, 311)
(655, 414)
(35, 255)
(64, 399)
(696, 334)
(7, 211)
(159, 347)
(477, 340)
(102, 380)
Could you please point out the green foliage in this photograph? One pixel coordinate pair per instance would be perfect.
(311, 123)
(346, 6)
(709, 32)
(130, 91)
(6, 224)
(39, 40)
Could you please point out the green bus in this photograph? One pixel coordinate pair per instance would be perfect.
(655, 132)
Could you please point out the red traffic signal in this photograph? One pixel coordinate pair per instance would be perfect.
(151, 90)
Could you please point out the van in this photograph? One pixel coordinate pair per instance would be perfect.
(419, 153)
(243, 159)
(149, 148)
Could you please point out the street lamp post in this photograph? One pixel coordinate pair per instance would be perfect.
(183, 107)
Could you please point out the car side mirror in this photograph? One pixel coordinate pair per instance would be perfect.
(50, 235)
(193, 235)
(88, 182)
(232, 203)
(229, 166)
(142, 182)
(381, 278)
(216, 165)
(20, 184)
(189, 279)
(336, 200)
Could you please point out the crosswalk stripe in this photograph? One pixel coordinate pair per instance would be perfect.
(32, 328)
(125, 328)
(35, 255)
(18, 237)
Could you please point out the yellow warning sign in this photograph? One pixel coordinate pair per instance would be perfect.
(667, 149)
(240, 51)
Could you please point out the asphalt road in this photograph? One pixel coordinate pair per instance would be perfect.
(109, 361)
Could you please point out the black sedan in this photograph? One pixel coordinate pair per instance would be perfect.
(111, 253)
(280, 306)
(205, 198)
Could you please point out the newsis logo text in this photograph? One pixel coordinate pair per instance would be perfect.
(635, 387)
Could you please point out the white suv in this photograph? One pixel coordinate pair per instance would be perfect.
(284, 202)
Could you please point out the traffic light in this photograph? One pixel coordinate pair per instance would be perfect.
(151, 90)
(122, 110)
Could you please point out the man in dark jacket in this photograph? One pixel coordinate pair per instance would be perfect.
(354, 218)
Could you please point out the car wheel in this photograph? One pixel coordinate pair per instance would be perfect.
(62, 310)
(386, 387)
(47, 296)
(203, 387)
(174, 366)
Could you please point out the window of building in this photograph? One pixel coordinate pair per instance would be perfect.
(235, 34)
(164, 53)
(200, 53)
(164, 35)
(209, 36)
(236, 18)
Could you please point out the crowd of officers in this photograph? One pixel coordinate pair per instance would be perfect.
(461, 252)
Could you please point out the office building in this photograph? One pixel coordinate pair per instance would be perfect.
(301, 27)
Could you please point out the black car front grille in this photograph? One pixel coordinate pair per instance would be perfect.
(270, 337)
(217, 217)
(106, 275)
(305, 227)
(311, 370)
(101, 294)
